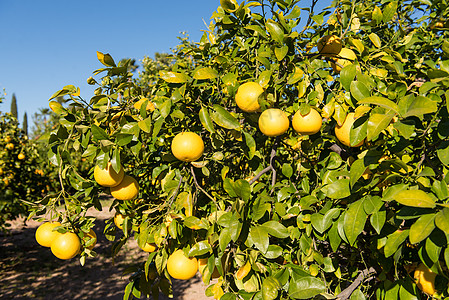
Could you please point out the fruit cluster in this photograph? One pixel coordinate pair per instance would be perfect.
(63, 245)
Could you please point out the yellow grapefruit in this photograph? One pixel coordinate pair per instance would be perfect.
(307, 124)
(187, 146)
(273, 122)
(247, 96)
(128, 189)
(108, 177)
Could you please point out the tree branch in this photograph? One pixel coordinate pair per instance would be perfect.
(347, 292)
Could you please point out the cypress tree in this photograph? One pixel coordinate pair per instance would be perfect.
(25, 123)
(14, 106)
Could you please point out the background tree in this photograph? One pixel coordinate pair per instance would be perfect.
(25, 123)
(14, 106)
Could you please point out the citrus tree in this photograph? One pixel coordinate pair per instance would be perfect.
(23, 179)
(289, 154)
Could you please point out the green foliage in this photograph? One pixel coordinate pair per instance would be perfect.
(23, 179)
(293, 217)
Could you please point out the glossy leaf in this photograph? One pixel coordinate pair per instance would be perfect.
(422, 228)
(306, 288)
(224, 119)
(206, 120)
(354, 221)
(414, 198)
(205, 73)
(173, 77)
(394, 241)
(382, 102)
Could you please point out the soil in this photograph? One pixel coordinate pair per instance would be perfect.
(30, 271)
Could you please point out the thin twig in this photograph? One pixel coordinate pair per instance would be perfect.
(200, 188)
(347, 292)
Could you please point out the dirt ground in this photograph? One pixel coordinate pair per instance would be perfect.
(30, 271)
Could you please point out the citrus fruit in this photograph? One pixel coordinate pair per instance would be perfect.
(8, 139)
(118, 220)
(108, 177)
(88, 236)
(66, 246)
(307, 124)
(329, 45)
(180, 266)
(21, 156)
(187, 146)
(247, 96)
(425, 279)
(45, 234)
(273, 122)
(138, 104)
(128, 189)
(149, 247)
(343, 59)
(342, 132)
(9, 146)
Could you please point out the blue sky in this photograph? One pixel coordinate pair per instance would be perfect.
(48, 44)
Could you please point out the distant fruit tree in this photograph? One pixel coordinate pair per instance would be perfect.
(290, 154)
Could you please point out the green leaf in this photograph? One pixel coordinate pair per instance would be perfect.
(414, 198)
(354, 222)
(357, 295)
(321, 223)
(205, 73)
(442, 220)
(295, 13)
(375, 39)
(224, 119)
(206, 120)
(200, 248)
(242, 189)
(146, 125)
(377, 123)
(419, 106)
(274, 251)
(281, 52)
(382, 102)
(359, 90)
(394, 241)
(275, 30)
(99, 133)
(338, 189)
(251, 144)
(358, 167)
(257, 29)
(347, 75)
(173, 77)
(378, 219)
(306, 288)
(389, 11)
(276, 229)
(422, 228)
(258, 236)
(443, 153)
(106, 59)
(295, 77)
(270, 287)
(195, 223)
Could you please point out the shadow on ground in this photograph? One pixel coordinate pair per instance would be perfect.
(30, 271)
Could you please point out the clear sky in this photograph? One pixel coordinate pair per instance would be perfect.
(48, 44)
